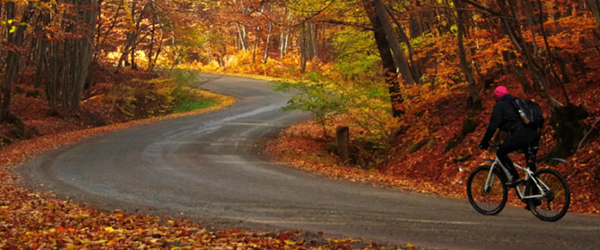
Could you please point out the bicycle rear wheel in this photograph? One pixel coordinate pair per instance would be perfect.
(490, 198)
(557, 198)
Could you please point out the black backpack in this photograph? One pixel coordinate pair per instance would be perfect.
(530, 112)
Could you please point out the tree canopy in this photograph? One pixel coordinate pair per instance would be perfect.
(542, 45)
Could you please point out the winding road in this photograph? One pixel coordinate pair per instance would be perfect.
(207, 167)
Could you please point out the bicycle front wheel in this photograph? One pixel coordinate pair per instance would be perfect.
(557, 196)
(487, 191)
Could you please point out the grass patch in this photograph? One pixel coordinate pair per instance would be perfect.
(186, 97)
(189, 105)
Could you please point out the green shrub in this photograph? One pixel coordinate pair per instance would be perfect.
(365, 108)
(315, 97)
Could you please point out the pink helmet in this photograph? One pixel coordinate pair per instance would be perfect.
(499, 92)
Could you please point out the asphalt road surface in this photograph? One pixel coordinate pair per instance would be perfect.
(206, 167)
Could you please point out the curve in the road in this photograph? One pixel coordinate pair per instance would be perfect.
(206, 167)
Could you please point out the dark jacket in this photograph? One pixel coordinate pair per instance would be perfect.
(505, 117)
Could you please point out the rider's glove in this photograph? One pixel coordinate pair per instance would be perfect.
(483, 145)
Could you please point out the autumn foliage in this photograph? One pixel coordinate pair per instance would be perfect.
(412, 80)
(435, 145)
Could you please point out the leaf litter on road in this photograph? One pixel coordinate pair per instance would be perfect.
(31, 220)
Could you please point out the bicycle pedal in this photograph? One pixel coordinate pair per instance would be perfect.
(518, 182)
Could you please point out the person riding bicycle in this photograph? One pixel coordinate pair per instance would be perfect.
(506, 118)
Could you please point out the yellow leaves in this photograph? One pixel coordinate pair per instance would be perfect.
(342, 241)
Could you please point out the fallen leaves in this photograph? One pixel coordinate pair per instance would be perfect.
(35, 221)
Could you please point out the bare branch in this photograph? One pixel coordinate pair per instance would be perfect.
(587, 134)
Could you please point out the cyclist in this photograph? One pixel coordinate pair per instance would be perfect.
(506, 118)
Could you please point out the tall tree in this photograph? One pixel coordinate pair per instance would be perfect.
(475, 99)
(595, 8)
(387, 59)
(14, 35)
(68, 53)
(414, 64)
(390, 34)
(129, 50)
(308, 43)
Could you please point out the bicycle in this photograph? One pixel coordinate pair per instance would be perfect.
(545, 191)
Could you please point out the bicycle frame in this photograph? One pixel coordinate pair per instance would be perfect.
(520, 191)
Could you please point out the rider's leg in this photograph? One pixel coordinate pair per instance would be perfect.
(529, 150)
(513, 143)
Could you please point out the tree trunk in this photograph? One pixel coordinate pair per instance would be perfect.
(133, 62)
(308, 45)
(386, 25)
(284, 40)
(132, 37)
(15, 39)
(86, 48)
(67, 61)
(595, 8)
(414, 64)
(464, 65)
(151, 47)
(281, 44)
(158, 48)
(154, 20)
(267, 43)
(256, 44)
(314, 46)
(303, 51)
(242, 36)
(387, 60)
(416, 20)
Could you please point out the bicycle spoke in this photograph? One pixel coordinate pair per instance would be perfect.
(486, 191)
(556, 196)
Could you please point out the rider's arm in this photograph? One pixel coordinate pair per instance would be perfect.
(495, 121)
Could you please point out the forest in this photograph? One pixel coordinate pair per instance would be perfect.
(412, 79)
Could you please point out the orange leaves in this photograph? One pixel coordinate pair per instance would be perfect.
(32, 221)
